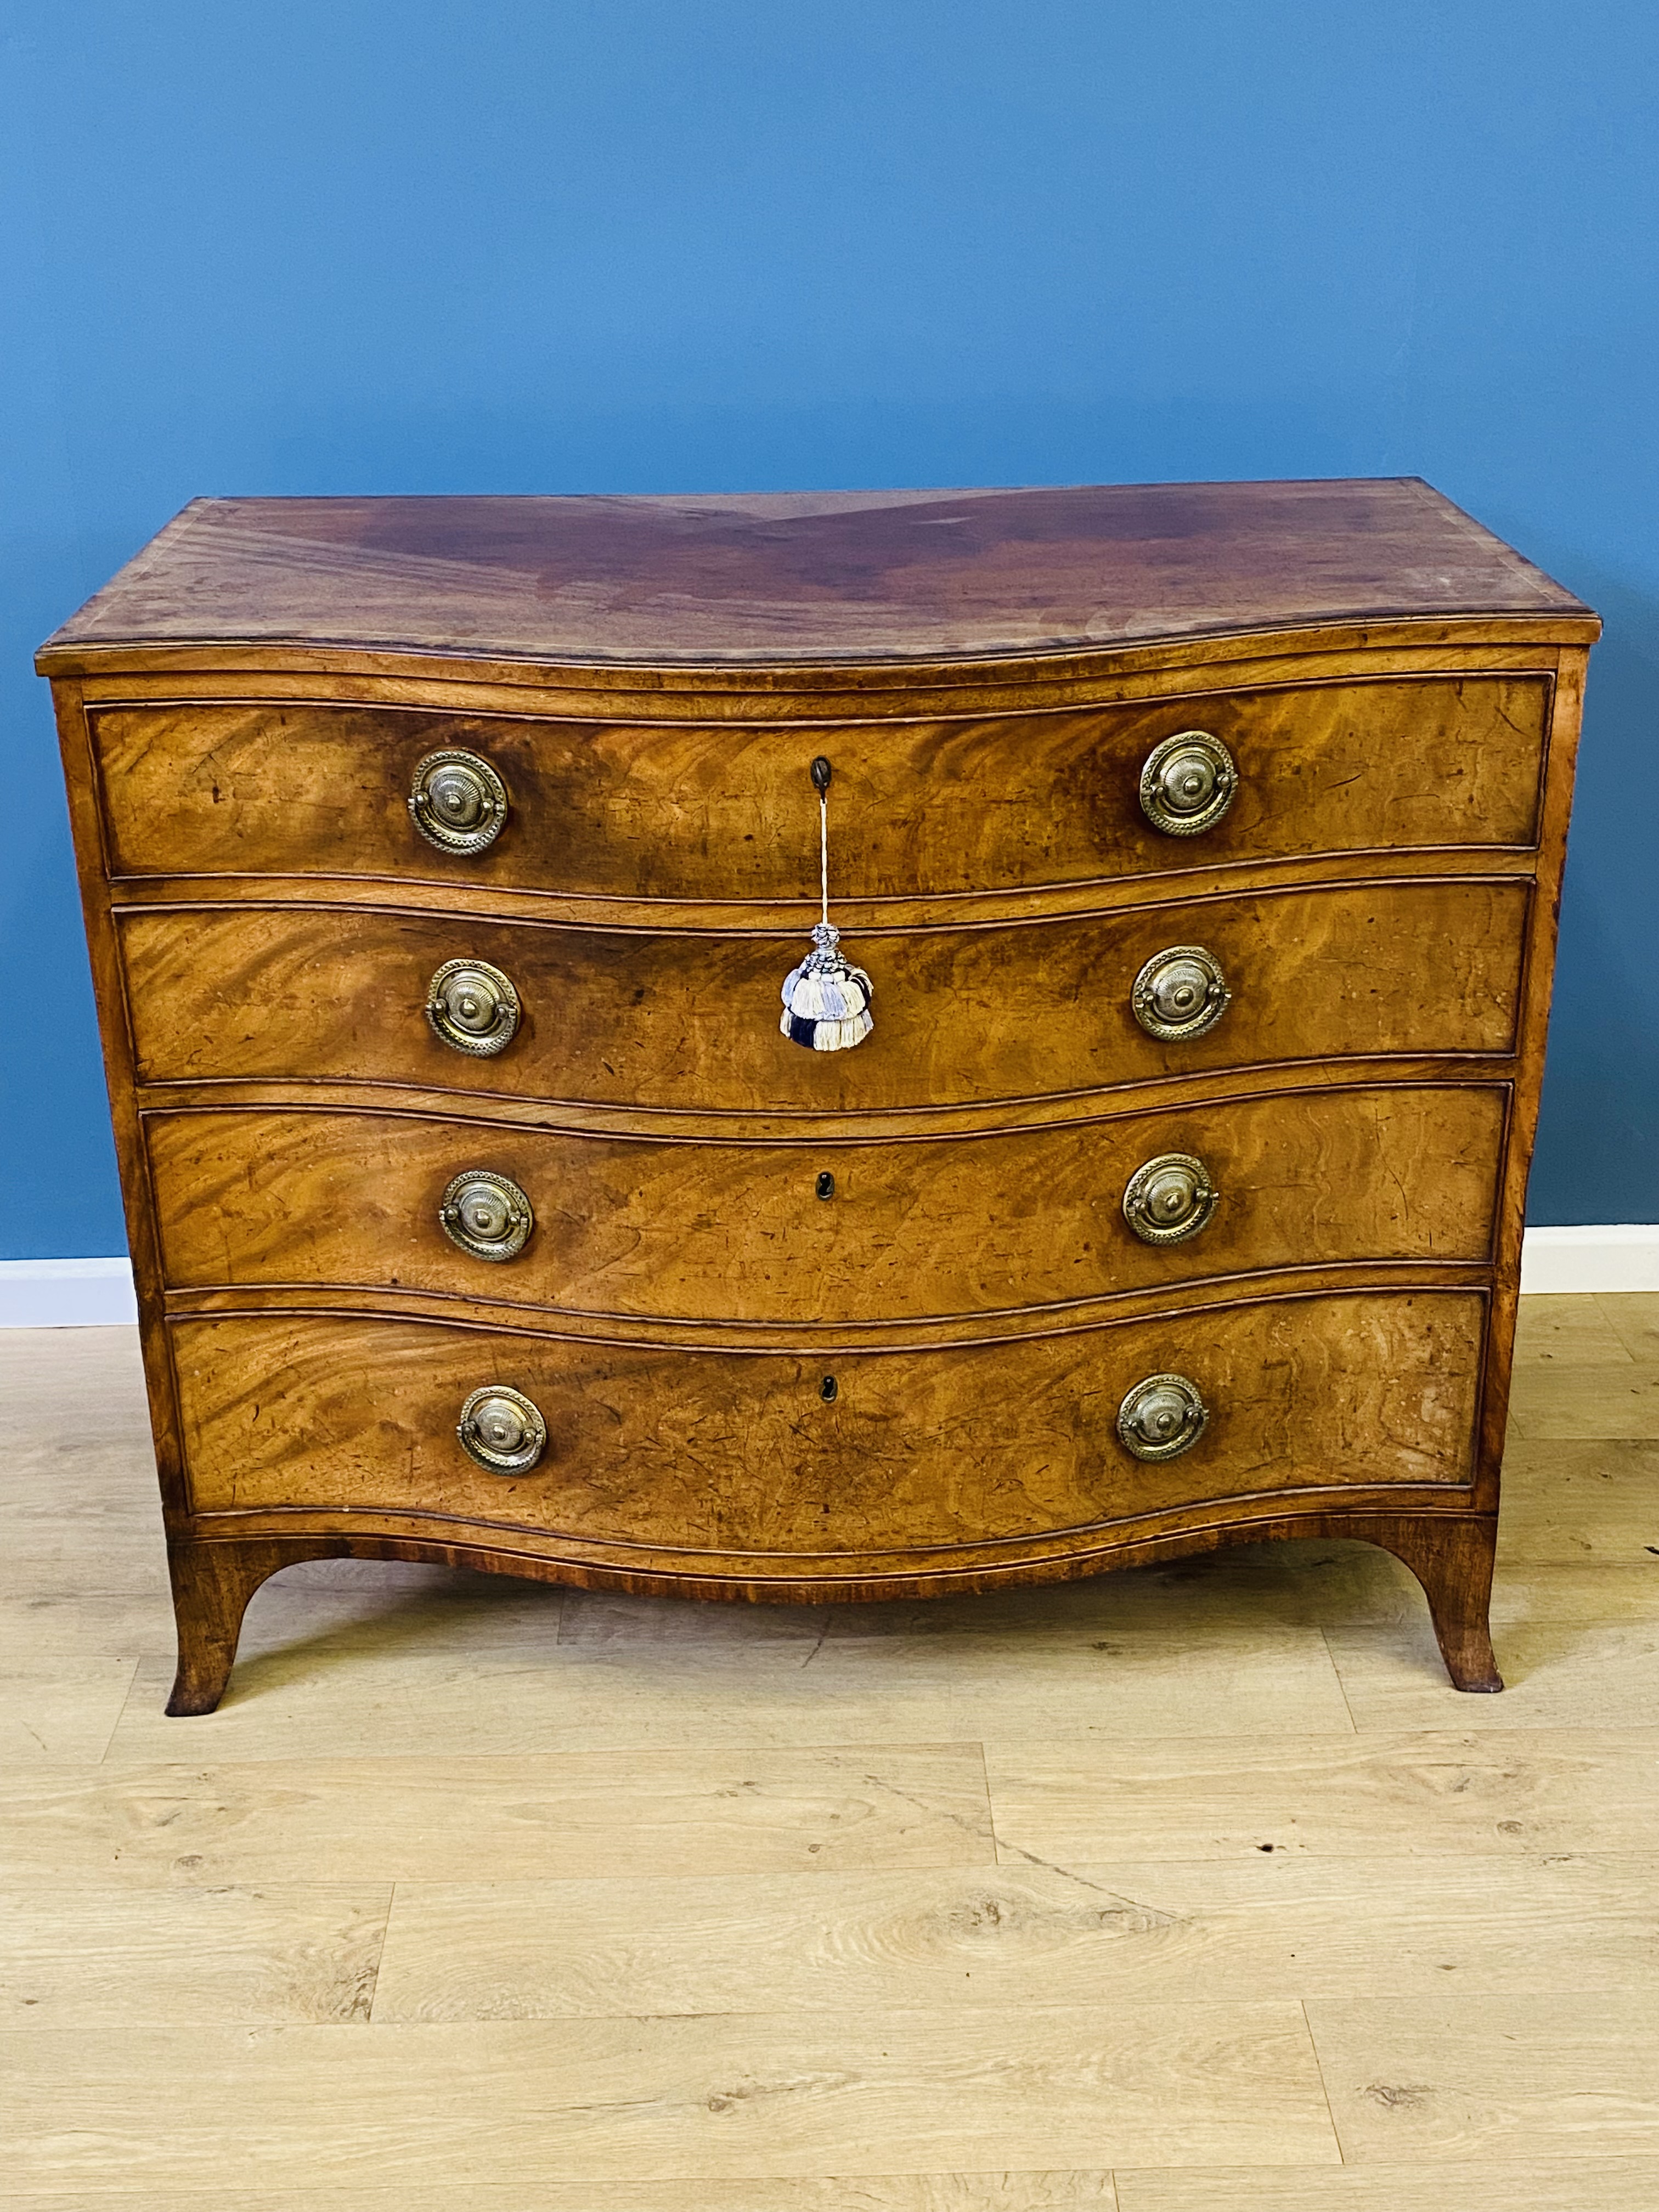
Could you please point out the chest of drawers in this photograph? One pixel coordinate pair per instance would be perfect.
(442, 862)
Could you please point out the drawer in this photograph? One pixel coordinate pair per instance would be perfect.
(724, 812)
(682, 1022)
(713, 1453)
(741, 1233)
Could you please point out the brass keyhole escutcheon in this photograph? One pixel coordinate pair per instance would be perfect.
(486, 1214)
(1180, 994)
(1162, 1417)
(473, 1008)
(1170, 1198)
(1188, 783)
(502, 1430)
(456, 801)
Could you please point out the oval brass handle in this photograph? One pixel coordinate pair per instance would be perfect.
(486, 1214)
(1162, 1417)
(1188, 783)
(1181, 992)
(456, 801)
(473, 1008)
(1170, 1198)
(502, 1430)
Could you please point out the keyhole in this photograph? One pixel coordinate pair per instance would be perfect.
(827, 1389)
(826, 1184)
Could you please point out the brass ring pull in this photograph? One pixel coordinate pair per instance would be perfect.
(473, 1008)
(1181, 992)
(486, 1214)
(1170, 1198)
(1162, 1417)
(1188, 783)
(502, 1430)
(458, 802)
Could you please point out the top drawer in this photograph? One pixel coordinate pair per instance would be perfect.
(726, 812)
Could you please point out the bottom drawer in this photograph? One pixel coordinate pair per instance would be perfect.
(827, 1457)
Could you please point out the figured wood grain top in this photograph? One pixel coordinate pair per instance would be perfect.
(809, 577)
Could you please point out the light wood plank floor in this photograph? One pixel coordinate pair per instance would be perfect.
(1191, 1890)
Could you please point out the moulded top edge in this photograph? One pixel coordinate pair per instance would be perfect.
(787, 585)
(1060, 662)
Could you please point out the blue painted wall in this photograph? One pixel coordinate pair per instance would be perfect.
(397, 245)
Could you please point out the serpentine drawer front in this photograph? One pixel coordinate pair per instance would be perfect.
(1014, 1009)
(655, 1448)
(964, 804)
(830, 1231)
(1163, 880)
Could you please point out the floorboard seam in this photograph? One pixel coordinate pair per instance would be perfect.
(114, 1727)
(1342, 1686)
(1319, 2069)
(379, 1955)
(990, 1807)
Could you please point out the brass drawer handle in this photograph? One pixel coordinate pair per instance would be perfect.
(1188, 783)
(486, 1214)
(1162, 1417)
(458, 802)
(473, 1008)
(502, 1430)
(1170, 1198)
(1181, 992)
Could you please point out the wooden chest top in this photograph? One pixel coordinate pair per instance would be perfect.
(806, 577)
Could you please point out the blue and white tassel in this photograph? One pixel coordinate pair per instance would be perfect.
(826, 1000)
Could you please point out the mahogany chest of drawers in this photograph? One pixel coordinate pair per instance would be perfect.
(443, 859)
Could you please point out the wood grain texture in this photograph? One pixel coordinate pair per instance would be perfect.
(1634, 1319)
(1491, 2076)
(1073, 2191)
(60, 1712)
(1439, 1791)
(1567, 2180)
(739, 1232)
(1555, 1670)
(1616, 1404)
(1567, 1329)
(847, 692)
(659, 1021)
(115, 1035)
(1077, 2190)
(818, 576)
(193, 1957)
(1247, 1929)
(1589, 1502)
(739, 1458)
(1532, 1028)
(45, 1619)
(530, 1816)
(669, 2098)
(411, 1700)
(923, 807)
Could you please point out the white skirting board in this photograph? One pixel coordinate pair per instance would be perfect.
(1624, 1256)
(66, 1294)
(97, 1293)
